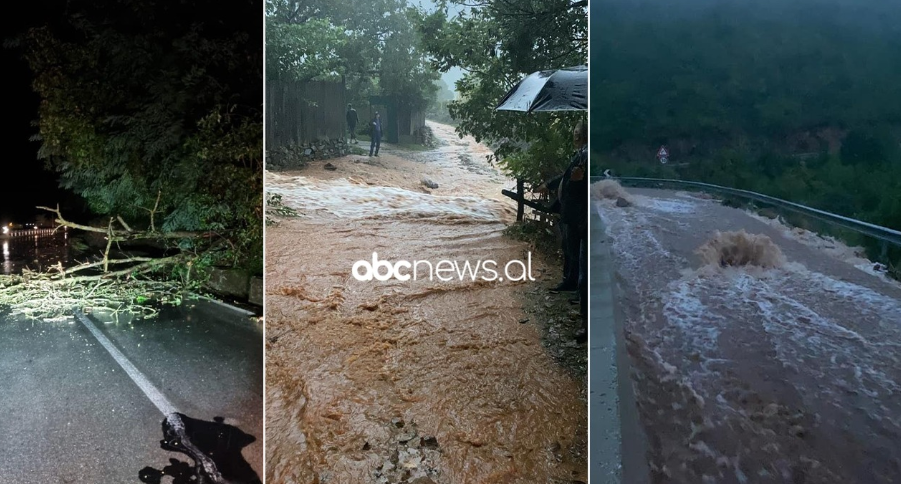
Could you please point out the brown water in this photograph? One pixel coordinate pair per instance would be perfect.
(781, 366)
(402, 381)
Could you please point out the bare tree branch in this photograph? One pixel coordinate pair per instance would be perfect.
(124, 272)
(82, 267)
(63, 222)
(121, 235)
(109, 242)
(122, 221)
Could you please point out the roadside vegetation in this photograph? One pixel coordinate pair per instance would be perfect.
(165, 149)
(797, 100)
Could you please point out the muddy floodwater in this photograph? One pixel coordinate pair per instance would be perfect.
(785, 373)
(394, 381)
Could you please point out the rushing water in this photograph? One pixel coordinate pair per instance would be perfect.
(788, 374)
(407, 381)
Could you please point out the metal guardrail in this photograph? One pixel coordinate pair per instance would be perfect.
(883, 234)
(9, 233)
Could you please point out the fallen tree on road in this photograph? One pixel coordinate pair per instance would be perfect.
(173, 156)
(134, 285)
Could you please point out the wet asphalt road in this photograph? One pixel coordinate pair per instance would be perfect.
(70, 414)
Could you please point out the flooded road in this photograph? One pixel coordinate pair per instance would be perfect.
(394, 381)
(786, 374)
(35, 252)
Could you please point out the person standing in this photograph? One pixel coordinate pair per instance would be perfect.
(572, 195)
(376, 133)
(352, 122)
(578, 218)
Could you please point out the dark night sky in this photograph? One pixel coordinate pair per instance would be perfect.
(24, 182)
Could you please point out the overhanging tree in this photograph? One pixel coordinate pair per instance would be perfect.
(372, 44)
(153, 113)
(497, 43)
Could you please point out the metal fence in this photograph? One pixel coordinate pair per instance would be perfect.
(884, 235)
(10, 233)
(303, 112)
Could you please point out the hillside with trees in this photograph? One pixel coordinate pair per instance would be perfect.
(800, 100)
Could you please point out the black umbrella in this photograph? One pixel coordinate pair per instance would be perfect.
(549, 91)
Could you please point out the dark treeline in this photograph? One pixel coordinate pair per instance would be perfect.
(151, 112)
(800, 100)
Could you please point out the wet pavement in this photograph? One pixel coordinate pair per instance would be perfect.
(750, 374)
(71, 414)
(34, 252)
(618, 444)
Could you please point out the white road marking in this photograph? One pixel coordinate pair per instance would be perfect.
(155, 396)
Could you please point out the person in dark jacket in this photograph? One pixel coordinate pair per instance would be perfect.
(572, 194)
(375, 130)
(352, 121)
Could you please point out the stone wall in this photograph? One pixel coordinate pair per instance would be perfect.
(298, 156)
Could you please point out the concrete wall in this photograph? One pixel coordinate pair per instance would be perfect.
(237, 283)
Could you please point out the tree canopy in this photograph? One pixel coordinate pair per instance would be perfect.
(704, 69)
(497, 43)
(157, 106)
(371, 44)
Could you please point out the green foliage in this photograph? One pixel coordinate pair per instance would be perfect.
(870, 147)
(439, 109)
(497, 43)
(275, 207)
(708, 70)
(440, 112)
(357, 150)
(302, 52)
(756, 95)
(444, 92)
(157, 105)
(372, 44)
(546, 157)
(537, 234)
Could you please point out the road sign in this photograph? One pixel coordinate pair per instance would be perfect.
(663, 155)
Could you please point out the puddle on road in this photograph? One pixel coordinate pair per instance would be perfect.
(35, 253)
(407, 381)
